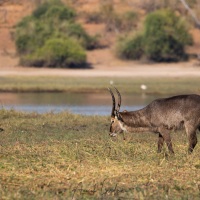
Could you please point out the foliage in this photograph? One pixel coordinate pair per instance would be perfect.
(67, 156)
(54, 9)
(57, 53)
(77, 31)
(165, 36)
(164, 39)
(130, 47)
(52, 21)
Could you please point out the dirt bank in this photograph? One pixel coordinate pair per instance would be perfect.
(129, 70)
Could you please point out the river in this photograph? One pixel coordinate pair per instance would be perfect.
(78, 103)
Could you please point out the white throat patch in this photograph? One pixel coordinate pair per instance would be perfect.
(122, 126)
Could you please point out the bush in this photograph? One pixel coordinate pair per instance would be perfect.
(130, 47)
(50, 21)
(31, 34)
(164, 39)
(77, 31)
(57, 53)
(60, 13)
(46, 6)
(165, 36)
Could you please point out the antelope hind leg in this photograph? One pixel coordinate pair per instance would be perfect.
(192, 137)
(192, 141)
(167, 139)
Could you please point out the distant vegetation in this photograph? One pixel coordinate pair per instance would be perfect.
(163, 38)
(51, 37)
(150, 6)
(114, 20)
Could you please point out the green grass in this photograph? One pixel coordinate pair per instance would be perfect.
(67, 156)
(125, 85)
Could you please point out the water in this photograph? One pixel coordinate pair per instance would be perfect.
(79, 103)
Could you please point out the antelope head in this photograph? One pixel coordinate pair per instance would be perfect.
(116, 119)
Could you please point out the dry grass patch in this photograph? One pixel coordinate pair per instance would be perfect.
(63, 156)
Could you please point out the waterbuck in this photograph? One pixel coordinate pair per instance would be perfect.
(161, 116)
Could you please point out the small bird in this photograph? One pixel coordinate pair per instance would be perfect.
(111, 82)
(143, 87)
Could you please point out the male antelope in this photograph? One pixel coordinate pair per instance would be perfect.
(160, 116)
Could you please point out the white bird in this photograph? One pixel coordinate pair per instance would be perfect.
(143, 87)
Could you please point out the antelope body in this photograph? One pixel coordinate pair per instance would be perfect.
(161, 116)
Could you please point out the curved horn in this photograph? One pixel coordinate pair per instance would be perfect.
(113, 106)
(119, 100)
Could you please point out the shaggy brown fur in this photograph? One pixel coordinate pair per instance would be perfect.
(161, 116)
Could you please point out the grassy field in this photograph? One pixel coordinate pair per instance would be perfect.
(126, 85)
(67, 156)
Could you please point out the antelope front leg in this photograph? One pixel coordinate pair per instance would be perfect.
(124, 138)
(160, 142)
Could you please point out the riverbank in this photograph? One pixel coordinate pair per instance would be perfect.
(128, 69)
(126, 85)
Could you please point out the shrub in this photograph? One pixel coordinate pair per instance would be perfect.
(130, 47)
(22, 42)
(76, 30)
(31, 34)
(60, 13)
(43, 8)
(165, 36)
(57, 53)
(50, 21)
(164, 39)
